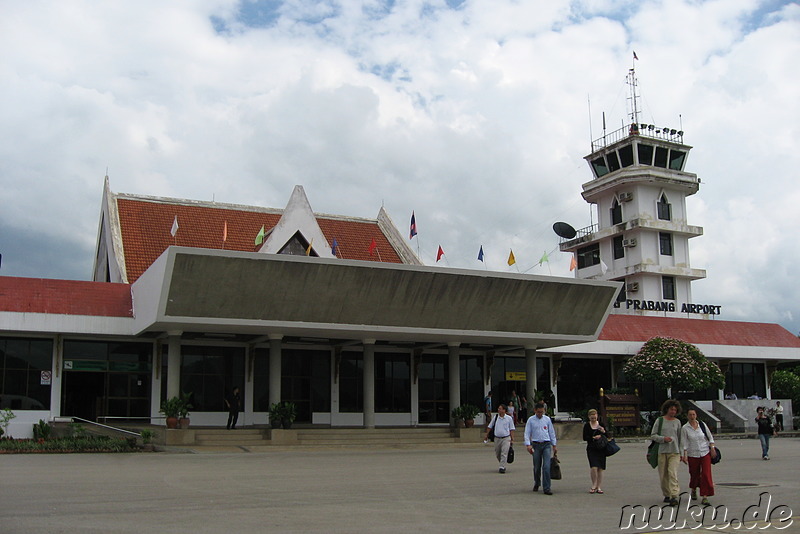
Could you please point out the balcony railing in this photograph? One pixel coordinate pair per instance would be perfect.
(641, 130)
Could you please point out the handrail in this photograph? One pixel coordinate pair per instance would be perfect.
(106, 426)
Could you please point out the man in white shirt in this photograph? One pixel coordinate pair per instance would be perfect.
(503, 425)
(540, 439)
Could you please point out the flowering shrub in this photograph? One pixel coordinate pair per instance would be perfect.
(672, 363)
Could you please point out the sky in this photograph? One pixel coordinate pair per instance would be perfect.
(473, 114)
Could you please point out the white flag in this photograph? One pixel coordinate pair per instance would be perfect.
(174, 227)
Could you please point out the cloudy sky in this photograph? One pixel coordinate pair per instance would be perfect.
(476, 114)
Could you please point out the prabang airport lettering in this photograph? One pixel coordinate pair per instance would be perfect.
(653, 305)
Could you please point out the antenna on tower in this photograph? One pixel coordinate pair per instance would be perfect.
(633, 84)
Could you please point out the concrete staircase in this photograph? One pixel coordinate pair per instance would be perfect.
(258, 439)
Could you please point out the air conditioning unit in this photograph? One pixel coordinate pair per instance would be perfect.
(625, 197)
(628, 243)
(632, 286)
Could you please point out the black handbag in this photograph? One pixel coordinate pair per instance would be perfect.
(718, 457)
(611, 447)
(555, 468)
(601, 443)
(510, 457)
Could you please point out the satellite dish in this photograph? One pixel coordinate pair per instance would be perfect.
(564, 230)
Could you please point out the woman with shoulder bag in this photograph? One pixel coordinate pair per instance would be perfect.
(595, 437)
(698, 450)
(666, 433)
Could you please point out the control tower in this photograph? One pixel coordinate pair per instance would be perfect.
(639, 186)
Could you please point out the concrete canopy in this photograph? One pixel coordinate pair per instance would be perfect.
(196, 290)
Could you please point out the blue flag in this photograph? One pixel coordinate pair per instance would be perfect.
(334, 247)
(413, 230)
(480, 254)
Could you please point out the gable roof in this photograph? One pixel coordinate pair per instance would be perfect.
(297, 217)
(144, 225)
(637, 328)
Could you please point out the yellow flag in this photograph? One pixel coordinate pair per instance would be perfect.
(308, 250)
(511, 259)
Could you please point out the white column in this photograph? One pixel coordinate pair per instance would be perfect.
(454, 374)
(57, 376)
(369, 383)
(275, 368)
(174, 364)
(530, 373)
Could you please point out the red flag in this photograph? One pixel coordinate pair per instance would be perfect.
(372, 246)
(439, 253)
(225, 232)
(572, 264)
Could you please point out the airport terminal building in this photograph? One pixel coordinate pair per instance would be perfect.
(338, 315)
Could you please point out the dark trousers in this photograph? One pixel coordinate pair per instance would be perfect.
(232, 418)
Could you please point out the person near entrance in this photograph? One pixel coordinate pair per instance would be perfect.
(234, 404)
(503, 426)
(778, 417)
(540, 440)
(487, 406)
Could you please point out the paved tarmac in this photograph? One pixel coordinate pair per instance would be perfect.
(376, 491)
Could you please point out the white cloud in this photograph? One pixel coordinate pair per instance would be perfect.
(475, 117)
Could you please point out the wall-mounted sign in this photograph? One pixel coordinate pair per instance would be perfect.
(46, 378)
(658, 305)
(516, 376)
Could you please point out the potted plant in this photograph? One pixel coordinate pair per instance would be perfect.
(282, 414)
(274, 415)
(171, 408)
(183, 412)
(466, 413)
(147, 439)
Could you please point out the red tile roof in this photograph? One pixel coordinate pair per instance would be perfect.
(697, 331)
(66, 297)
(146, 224)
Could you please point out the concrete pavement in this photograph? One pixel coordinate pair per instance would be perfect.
(384, 491)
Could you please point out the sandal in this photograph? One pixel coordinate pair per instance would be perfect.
(593, 490)
(599, 491)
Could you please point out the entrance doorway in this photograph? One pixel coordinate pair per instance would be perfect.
(434, 400)
(93, 394)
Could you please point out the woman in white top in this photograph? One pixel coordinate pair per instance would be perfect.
(698, 449)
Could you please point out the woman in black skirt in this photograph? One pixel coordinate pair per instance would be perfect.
(593, 432)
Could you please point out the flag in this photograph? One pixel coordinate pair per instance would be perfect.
(334, 247)
(175, 227)
(480, 254)
(572, 264)
(260, 236)
(603, 267)
(413, 230)
(439, 253)
(511, 259)
(225, 232)
(544, 258)
(372, 246)
(635, 56)
(308, 250)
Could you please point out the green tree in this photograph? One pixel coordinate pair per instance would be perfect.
(674, 364)
(786, 385)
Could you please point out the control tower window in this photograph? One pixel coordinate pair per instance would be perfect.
(676, 159)
(626, 155)
(661, 157)
(600, 167)
(668, 287)
(616, 212)
(665, 242)
(588, 256)
(613, 162)
(645, 154)
(664, 208)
